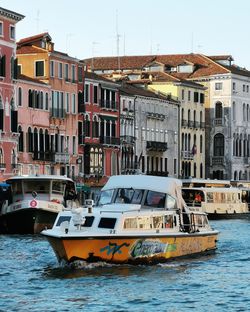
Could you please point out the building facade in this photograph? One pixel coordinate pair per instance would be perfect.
(8, 106)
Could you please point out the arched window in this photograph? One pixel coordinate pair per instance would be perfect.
(35, 140)
(201, 144)
(20, 139)
(30, 140)
(244, 112)
(41, 140)
(46, 101)
(234, 111)
(219, 145)
(201, 171)
(95, 127)
(218, 110)
(2, 165)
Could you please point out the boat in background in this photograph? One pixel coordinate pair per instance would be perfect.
(217, 202)
(33, 203)
(137, 219)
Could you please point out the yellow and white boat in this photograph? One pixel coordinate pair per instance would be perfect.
(137, 219)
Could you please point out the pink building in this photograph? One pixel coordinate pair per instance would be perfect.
(34, 148)
(8, 107)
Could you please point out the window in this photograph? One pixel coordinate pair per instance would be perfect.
(60, 70)
(219, 145)
(244, 88)
(46, 101)
(20, 139)
(2, 65)
(202, 98)
(52, 69)
(182, 95)
(12, 32)
(80, 74)
(107, 223)
(234, 86)
(196, 97)
(73, 73)
(218, 110)
(155, 199)
(86, 93)
(39, 65)
(95, 95)
(218, 86)
(1, 113)
(66, 72)
(189, 96)
(74, 145)
(73, 103)
(1, 29)
(19, 96)
(67, 102)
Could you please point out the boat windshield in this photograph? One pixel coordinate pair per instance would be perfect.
(105, 197)
(38, 186)
(129, 196)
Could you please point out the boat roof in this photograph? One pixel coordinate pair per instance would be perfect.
(213, 189)
(39, 177)
(167, 185)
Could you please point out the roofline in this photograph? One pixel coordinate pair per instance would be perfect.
(11, 14)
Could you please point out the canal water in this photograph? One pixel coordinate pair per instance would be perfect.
(32, 280)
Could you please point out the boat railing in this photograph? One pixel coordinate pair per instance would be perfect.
(193, 221)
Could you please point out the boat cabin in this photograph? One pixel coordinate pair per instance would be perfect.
(215, 200)
(51, 188)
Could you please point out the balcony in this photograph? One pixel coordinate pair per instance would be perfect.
(218, 160)
(43, 156)
(109, 140)
(187, 155)
(57, 113)
(157, 146)
(61, 158)
(218, 122)
(127, 139)
(155, 116)
(190, 123)
(108, 105)
(196, 124)
(14, 166)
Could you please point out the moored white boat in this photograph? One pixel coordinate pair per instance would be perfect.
(34, 202)
(137, 219)
(217, 202)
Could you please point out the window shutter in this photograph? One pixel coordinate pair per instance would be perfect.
(15, 68)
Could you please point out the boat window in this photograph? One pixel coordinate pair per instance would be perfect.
(40, 187)
(105, 197)
(144, 223)
(158, 222)
(129, 196)
(16, 187)
(171, 202)
(155, 199)
(58, 187)
(62, 219)
(130, 223)
(168, 222)
(88, 221)
(209, 197)
(107, 223)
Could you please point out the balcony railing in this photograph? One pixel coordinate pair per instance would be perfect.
(109, 140)
(202, 124)
(187, 155)
(127, 139)
(157, 146)
(61, 158)
(43, 156)
(190, 123)
(108, 104)
(14, 166)
(2, 166)
(218, 122)
(57, 112)
(196, 124)
(218, 160)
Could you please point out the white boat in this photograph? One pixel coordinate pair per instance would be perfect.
(217, 202)
(34, 202)
(137, 219)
